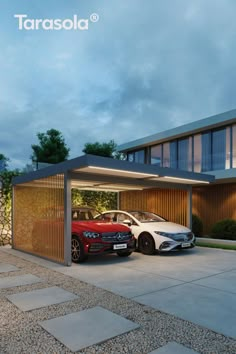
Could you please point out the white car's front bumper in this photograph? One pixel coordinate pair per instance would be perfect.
(170, 245)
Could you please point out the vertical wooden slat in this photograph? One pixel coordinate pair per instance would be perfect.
(214, 203)
(169, 203)
(38, 217)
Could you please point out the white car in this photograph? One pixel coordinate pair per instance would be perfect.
(152, 231)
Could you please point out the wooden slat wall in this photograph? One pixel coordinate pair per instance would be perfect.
(169, 203)
(38, 224)
(214, 203)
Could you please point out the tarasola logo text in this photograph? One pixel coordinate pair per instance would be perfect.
(49, 24)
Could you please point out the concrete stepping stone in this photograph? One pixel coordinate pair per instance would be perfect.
(5, 268)
(173, 348)
(31, 300)
(88, 327)
(18, 280)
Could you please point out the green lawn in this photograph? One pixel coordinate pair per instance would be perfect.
(213, 245)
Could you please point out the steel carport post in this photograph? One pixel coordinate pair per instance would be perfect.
(67, 219)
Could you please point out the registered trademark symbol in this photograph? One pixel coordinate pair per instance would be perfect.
(94, 17)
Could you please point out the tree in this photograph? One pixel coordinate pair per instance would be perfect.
(98, 199)
(51, 148)
(3, 162)
(103, 149)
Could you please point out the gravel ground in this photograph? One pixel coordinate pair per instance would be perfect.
(21, 333)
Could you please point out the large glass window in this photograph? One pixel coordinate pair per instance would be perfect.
(173, 154)
(130, 156)
(166, 155)
(212, 150)
(228, 148)
(203, 152)
(170, 154)
(185, 154)
(234, 146)
(137, 156)
(156, 155)
(197, 148)
(220, 149)
(206, 152)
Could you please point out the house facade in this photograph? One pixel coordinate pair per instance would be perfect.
(204, 146)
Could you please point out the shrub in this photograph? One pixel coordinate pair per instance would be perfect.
(224, 229)
(197, 226)
(101, 201)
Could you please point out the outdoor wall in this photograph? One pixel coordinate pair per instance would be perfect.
(38, 210)
(169, 203)
(214, 203)
(5, 222)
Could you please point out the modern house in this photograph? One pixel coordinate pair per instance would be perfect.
(204, 146)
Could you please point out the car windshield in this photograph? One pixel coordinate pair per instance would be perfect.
(144, 216)
(82, 214)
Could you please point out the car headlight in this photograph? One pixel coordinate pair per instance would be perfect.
(161, 233)
(90, 234)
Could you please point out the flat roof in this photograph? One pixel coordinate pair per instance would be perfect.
(92, 172)
(181, 131)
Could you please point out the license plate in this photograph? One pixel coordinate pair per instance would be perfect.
(186, 244)
(121, 246)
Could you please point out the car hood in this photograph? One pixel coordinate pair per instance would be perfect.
(165, 226)
(99, 226)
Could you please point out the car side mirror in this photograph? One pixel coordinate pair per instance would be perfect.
(127, 222)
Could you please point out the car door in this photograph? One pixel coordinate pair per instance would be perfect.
(135, 228)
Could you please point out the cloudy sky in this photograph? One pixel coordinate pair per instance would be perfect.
(144, 67)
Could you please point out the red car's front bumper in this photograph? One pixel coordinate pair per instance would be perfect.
(100, 247)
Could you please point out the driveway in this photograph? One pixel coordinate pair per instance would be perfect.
(197, 285)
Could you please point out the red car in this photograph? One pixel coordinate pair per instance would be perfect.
(91, 237)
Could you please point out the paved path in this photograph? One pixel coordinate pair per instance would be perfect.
(195, 292)
(197, 285)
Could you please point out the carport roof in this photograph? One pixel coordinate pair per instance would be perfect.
(103, 173)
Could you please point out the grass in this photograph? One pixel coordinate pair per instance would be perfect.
(214, 245)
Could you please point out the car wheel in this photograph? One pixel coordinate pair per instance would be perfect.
(146, 244)
(124, 254)
(77, 250)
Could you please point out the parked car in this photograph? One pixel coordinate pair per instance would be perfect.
(89, 236)
(152, 232)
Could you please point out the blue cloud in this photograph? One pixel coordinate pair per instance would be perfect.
(142, 68)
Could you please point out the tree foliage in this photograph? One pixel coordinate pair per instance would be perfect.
(99, 200)
(3, 162)
(51, 148)
(103, 149)
(6, 181)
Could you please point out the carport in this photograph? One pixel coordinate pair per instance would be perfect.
(41, 213)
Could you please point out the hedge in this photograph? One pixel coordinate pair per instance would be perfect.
(224, 229)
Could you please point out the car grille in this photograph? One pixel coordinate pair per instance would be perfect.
(116, 236)
(182, 237)
(95, 247)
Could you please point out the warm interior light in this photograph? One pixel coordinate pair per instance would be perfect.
(185, 179)
(104, 187)
(82, 184)
(118, 186)
(124, 171)
(99, 189)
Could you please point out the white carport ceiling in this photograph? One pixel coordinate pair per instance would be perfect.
(101, 173)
